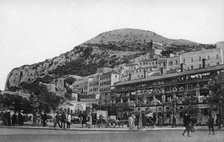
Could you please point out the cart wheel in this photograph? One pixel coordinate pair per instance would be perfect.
(113, 124)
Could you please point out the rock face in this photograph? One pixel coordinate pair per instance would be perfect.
(107, 49)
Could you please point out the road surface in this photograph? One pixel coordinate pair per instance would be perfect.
(40, 135)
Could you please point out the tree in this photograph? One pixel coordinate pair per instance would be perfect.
(15, 102)
(216, 93)
(166, 53)
(41, 99)
(70, 80)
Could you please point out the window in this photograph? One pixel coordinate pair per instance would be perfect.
(199, 65)
(217, 63)
(176, 62)
(192, 59)
(217, 56)
(199, 58)
(192, 67)
(184, 61)
(171, 63)
(208, 57)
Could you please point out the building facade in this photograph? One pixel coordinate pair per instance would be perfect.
(170, 94)
(202, 58)
(106, 81)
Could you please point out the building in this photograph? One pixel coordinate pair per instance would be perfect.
(106, 81)
(93, 86)
(173, 64)
(202, 58)
(75, 107)
(167, 94)
(81, 85)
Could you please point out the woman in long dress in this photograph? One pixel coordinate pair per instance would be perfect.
(131, 122)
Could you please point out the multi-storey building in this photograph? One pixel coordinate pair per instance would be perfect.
(159, 93)
(81, 85)
(106, 81)
(173, 64)
(205, 57)
(94, 85)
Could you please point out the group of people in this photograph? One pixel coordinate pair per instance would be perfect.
(189, 123)
(62, 119)
(10, 118)
(65, 119)
(135, 120)
(87, 119)
(140, 120)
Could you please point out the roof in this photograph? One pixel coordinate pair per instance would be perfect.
(110, 72)
(131, 64)
(211, 68)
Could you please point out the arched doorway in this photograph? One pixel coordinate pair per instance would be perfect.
(78, 108)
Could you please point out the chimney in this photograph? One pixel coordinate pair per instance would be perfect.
(161, 70)
(181, 67)
(203, 63)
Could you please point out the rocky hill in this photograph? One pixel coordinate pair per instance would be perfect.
(107, 49)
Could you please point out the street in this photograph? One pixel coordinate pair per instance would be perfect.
(43, 135)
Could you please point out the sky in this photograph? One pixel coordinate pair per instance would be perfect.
(32, 31)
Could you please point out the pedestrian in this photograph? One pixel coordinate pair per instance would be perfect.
(5, 120)
(83, 118)
(44, 119)
(143, 119)
(20, 119)
(160, 120)
(101, 121)
(137, 116)
(174, 121)
(211, 125)
(217, 120)
(2, 117)
(63, 120)
(94, 117)
(57, 120)
(186, 122)
(14, 119)
(193, 121)
(38, 119)
(89, 121)
(8, 117)
(131, 122)
(69, 119)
